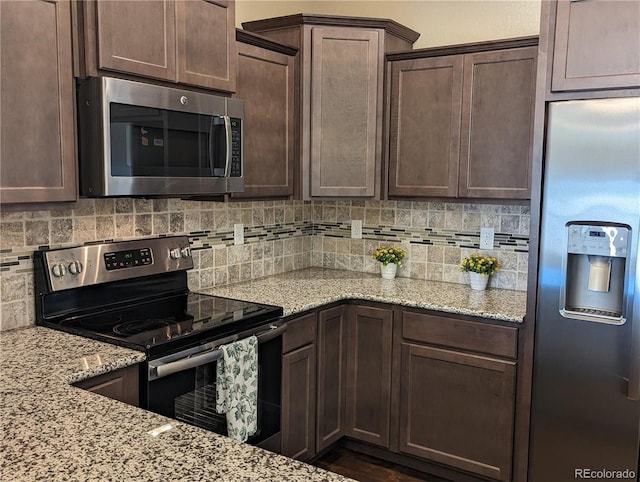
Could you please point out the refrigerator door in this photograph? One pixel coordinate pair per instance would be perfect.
(582, 420)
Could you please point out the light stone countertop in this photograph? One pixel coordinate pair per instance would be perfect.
(305, 289)
(51, 431)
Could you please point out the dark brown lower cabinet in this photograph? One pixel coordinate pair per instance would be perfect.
(457, 409)
(299, 403)
(369, 349)
(299, 388)
(331, 359)
(438, 389)
(121, 384)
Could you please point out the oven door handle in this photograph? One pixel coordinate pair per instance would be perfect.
(170, 368)
(209, 356)
(272, 333)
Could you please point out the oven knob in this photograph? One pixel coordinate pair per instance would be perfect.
(186, 252)
(75, 267)
(175, 253)
(59, 270)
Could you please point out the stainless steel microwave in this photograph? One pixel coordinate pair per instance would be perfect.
(138, 139)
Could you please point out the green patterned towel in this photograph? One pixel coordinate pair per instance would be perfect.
(237, 387)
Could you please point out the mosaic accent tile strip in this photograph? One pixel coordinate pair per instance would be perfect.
(426, 236)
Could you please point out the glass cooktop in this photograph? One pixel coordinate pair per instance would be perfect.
(165, 325)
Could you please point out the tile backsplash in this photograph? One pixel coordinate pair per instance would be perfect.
(280, 236)
(435, 235)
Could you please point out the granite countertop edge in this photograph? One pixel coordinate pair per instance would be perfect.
(402, 302)
(310, 288)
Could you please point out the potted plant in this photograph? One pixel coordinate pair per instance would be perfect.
(390, 258)
(479, 267)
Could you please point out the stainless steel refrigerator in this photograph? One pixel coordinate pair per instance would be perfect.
(585, 416)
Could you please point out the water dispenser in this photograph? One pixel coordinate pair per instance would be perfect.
(595, 272)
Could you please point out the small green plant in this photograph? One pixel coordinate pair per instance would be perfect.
(479, 263)
(389, 254)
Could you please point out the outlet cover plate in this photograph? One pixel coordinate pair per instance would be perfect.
(238, 234)
(486, 238)
(356, 228)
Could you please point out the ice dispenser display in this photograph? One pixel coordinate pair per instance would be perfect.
(595, 272)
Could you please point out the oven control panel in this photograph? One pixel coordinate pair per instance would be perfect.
(128, 259)
(101, 263)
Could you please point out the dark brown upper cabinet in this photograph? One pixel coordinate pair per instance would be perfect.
(498, 98)
(461, 121)
(266, 84)
(37, 151)
(341, 64)
(597, 45)
(191, 43)
(425, 126)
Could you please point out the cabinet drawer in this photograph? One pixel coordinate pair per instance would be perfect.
(466, 335)
(300, 331)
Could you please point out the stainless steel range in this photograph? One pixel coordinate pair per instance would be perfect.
(135, 294)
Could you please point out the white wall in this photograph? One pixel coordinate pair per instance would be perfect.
(440, 22)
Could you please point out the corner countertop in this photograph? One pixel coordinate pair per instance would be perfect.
(303, 290)
(52, 431)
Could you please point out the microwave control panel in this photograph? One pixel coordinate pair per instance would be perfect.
(236, 147)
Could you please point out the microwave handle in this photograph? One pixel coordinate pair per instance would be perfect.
(227, 130)
(211, 153)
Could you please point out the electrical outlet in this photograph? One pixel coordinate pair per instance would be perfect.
(486, 238)
(356, 228)
(238, 233)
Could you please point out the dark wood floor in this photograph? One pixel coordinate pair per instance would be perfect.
(369, 469)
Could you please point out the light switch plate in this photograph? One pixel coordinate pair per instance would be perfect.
(486, 238)
(356, 228)
(238, 233)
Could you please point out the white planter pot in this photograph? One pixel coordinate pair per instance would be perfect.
(477, 281)
(388, 271)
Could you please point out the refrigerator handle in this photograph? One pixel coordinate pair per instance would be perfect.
(634, 370)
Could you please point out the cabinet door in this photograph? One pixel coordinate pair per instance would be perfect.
(426, 97)
(37, 148)
(457, 409)
(497, 124)
(206, 46)
(137, 37)
(266, 84)
(332, 332)
(369, 345)
(120, 385)
(346, 89)
(597, 45)
(299, 403)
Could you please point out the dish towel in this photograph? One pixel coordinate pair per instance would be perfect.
(237, 387)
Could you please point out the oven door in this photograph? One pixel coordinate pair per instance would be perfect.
(183, 386)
